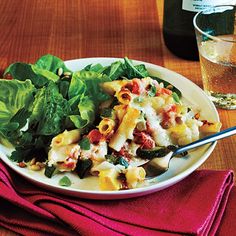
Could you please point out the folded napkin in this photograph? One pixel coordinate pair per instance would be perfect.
(193, 206)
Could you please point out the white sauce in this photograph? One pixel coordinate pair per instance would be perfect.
(160, 135)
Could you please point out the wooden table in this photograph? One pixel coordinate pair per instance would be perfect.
(115, 28)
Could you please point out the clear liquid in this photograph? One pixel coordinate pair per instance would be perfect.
(218, 65)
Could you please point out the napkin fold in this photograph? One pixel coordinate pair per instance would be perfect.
(193, 206)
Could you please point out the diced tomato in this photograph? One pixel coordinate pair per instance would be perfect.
(135, 88)
(172, 108)
(163, 91)
(166, 116)
(67, 165)
(124, 153)
(148, 144)
(70, 165)
(95, 136)
(128, 86)
(144, 139)
(148, 129)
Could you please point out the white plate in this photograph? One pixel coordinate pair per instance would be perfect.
(179, 167)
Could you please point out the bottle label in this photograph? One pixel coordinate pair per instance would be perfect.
(199, 5)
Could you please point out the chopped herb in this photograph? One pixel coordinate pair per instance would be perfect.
(84, 144)
(117, 160)
(175, 97)
(138, 99)
(152, 91)
(111, 158)
(65, 181)
(123, 162)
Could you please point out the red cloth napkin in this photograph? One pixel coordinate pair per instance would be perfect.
(192, 206)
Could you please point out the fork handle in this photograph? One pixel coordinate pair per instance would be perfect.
(208, 139)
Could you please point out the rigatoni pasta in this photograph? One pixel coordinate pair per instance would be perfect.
(125, 129)
(106, 126)
(124, 96)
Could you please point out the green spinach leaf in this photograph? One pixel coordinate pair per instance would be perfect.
(51, 63)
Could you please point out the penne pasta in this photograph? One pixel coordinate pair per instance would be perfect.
(66, 138)
(125, 129)
(108, 180)
(113, 86)
(120, 111)
(210, 127)
(134, 175)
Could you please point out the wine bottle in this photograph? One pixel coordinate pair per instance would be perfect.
(178, 30)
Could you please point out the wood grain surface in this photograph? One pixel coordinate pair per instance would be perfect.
(98, 28)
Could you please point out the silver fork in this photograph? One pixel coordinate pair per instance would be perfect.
(159, 165)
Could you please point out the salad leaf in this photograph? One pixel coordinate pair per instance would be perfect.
(116, 70)
(85, 96)
(132, 71)
(77, 86)
(51, 63)
(5, 113)
(83, 111)
(21, 117)
(15, 104)
(165, 83)
(28, 150)
(96, 68)
(14, 96)
(20, 154)
(38, 76)
(49, 111)
(87, 112)
(41, 73)
(63, 86)
(92, 80)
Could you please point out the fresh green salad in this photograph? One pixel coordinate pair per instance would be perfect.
(39, 101)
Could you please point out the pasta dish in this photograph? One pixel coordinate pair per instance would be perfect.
(100, 121)
(142, 114)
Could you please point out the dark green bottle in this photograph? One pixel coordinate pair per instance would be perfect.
(178, 30)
